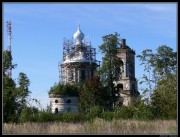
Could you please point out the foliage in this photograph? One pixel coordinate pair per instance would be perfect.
(7, 62)
(143, 111)
(64, 89)
(163, 66)
(9, 99)
(166, 96)
(73, 117)
(23, 90)
(107, 115)
(164, 61)
(27, 114)
(110, 69)
(9, 86)
(92, 94)
(125, 112)
(146, 59)
(14, 98)
(93, 112)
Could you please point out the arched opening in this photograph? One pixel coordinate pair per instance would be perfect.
(56, 110)
(119, 87)
(119, 71)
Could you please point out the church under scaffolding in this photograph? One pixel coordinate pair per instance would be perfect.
(79, 60)
(79, 63)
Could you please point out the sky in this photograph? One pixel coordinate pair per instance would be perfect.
(38, 30)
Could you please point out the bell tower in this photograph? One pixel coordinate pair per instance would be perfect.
(126, 84)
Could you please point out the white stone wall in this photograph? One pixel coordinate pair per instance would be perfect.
(126, 99)
(64, 104)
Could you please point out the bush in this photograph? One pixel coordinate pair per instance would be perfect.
(93, 112)
(45, 117)
(64, 90)
(124, 113)
(145, 114)
(72, 117)
(25, 115)
(107, 116)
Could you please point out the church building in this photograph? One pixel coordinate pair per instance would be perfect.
(79, 63)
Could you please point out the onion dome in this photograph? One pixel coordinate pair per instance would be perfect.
(78, 36)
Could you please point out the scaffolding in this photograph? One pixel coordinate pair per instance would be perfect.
(79, 62)
(9, 33)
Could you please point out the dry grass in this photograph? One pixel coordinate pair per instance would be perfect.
(98, 126)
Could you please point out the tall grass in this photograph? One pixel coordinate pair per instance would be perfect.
(98, 126)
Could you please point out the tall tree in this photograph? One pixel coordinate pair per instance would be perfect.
(13, 97)
(9, 86)
(110, 64)
(164, 61)
(164, 100)
(146, 59)
(163, 66)
(23, 90)
(7, 62)
(9, 99)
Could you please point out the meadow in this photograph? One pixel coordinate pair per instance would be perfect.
(97, 126)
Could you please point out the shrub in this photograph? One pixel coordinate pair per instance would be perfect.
(25, 115)
(145, 114)
(93, 112)
(45, 117)
(124, 113)
(64, 90)
(107, 115)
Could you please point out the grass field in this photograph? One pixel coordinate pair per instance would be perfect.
(98, 126)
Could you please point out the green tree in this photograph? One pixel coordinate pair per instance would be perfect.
(163, 66)
(110, 65)
(23, 90)
(9, 86)
(7, 62)
(9, 99)
(92, 94)
(146, 60)
(64, 89)
(14, 98)
(164, 61)
(164, 100)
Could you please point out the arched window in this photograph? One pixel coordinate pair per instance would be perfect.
(119, 71)
(120, 87)
(56, 110)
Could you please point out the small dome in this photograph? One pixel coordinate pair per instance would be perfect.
(78, 36)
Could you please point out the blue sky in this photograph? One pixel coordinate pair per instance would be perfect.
(38, 30)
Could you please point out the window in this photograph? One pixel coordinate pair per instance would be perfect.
(120, 87)
(56, 101)
(56, 110)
